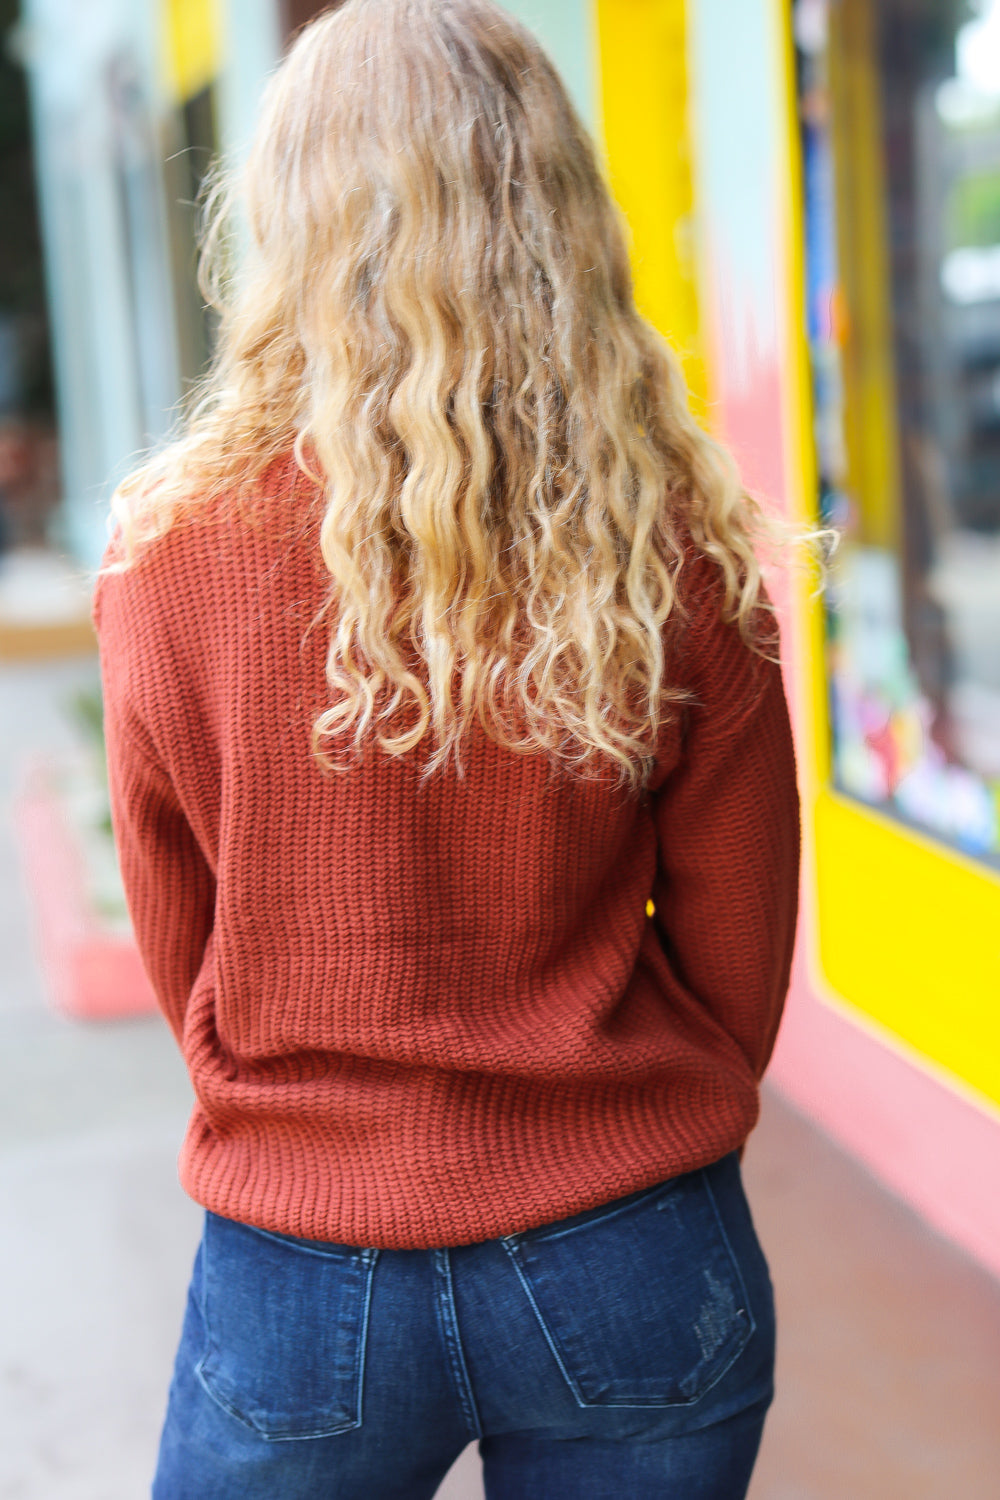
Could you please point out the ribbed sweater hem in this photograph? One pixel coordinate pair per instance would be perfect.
(291, 1182)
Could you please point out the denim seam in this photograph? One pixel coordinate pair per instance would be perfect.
(305, 1247)
(444, 1302)
(597, 1216)
(367, 1257)
(746, 1309)
(724, 1234)
(269, 1437)
(510, 1244)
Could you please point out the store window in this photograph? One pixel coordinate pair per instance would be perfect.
(899, 105)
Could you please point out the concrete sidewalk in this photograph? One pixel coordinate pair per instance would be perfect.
(889, 1366)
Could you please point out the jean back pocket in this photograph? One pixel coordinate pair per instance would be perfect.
(285, 1327)
(643, 1303)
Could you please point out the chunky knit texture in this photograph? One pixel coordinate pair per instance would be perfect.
(427, 1012)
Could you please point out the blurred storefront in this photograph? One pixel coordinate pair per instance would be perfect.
(898, 108)
(813, 193)
(28, 482)
(843, 304)
(131, 100)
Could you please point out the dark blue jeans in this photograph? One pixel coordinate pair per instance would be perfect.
(622, 1353)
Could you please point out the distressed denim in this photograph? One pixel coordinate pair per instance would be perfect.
(621, 1353)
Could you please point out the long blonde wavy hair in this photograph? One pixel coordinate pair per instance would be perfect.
(435, 314)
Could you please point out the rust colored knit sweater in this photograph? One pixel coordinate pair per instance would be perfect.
(421, 1013)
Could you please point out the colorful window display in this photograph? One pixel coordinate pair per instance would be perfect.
(899, 106)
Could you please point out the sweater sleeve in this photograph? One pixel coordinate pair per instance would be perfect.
(169, 885)
(727, 819)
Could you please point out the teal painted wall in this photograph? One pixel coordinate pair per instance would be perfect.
(566, 30)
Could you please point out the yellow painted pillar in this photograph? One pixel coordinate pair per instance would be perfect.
(644, 111)
(192, 45)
